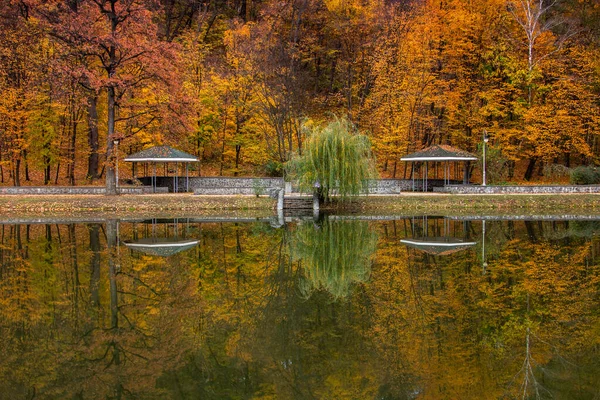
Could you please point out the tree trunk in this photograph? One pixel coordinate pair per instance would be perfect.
(16, 180)
(27, 179)
(111, 183)
(57, 172)
(238, 150)
(46, 162)
(530, 168)
(511, 169)
(92, 117)
(73, 138)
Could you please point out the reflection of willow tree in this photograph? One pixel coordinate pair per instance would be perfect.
(335, 254)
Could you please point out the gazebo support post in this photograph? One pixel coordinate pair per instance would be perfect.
(422, 176)
(154, 176)
(445, 173)
(426, 175)
(187, 177)
(413, 175)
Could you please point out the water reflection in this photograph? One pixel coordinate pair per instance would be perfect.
(162, 238)
(327, 309)
(335, 255)
(446, 239)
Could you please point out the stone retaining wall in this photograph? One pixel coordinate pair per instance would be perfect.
(544, 189)
(45, 190)
(224, 186)
(395, 186)
(217, 185)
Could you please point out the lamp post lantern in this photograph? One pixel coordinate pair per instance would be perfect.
(486, 139)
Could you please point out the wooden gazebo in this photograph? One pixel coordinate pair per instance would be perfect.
(164, 154)
(447, 155)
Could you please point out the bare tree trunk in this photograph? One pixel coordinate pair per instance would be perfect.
(46, 162)
(111, 182)
(27, 179)
(530, 168)
(16, 173)
(57, 172)
(92, 118)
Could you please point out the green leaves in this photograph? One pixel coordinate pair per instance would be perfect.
(336, 161)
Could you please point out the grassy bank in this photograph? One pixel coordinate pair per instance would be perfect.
(445, 204)
(156, 204)
(251, 206)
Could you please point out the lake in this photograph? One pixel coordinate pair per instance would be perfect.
(333, 308)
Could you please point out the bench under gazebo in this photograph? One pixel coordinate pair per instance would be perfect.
(448, 156)
(165, 155)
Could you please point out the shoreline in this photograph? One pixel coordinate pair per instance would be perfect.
(156, 205)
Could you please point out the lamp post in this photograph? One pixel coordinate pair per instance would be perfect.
(116, 143)
(486, 139)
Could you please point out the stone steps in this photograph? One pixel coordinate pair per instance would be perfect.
(298, 202)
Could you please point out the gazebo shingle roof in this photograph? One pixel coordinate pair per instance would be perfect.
(162, 154)
(440, 152)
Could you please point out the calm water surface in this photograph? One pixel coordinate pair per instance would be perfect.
(413, 308)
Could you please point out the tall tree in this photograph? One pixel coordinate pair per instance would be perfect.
(121, 54)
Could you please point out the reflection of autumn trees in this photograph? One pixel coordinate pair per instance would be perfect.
(81, 321)
(83, 316)
(470, 331)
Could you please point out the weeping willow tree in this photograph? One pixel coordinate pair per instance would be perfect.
(334, 256)
(336, 160)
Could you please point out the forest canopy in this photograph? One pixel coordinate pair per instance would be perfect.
(234, 81)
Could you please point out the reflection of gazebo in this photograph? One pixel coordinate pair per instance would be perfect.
(166, 244)
(162, 247)
(438, 236)
(164, 154)
(447, 155)
(438, 246)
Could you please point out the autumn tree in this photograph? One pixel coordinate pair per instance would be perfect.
(120, 54)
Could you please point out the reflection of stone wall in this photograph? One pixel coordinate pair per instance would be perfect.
(466, 189)
(27, 190)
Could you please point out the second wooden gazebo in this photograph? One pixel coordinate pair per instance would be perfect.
(438, 154)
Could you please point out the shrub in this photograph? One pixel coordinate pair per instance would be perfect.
(585, 175)
(273, 168)
(556, 171)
